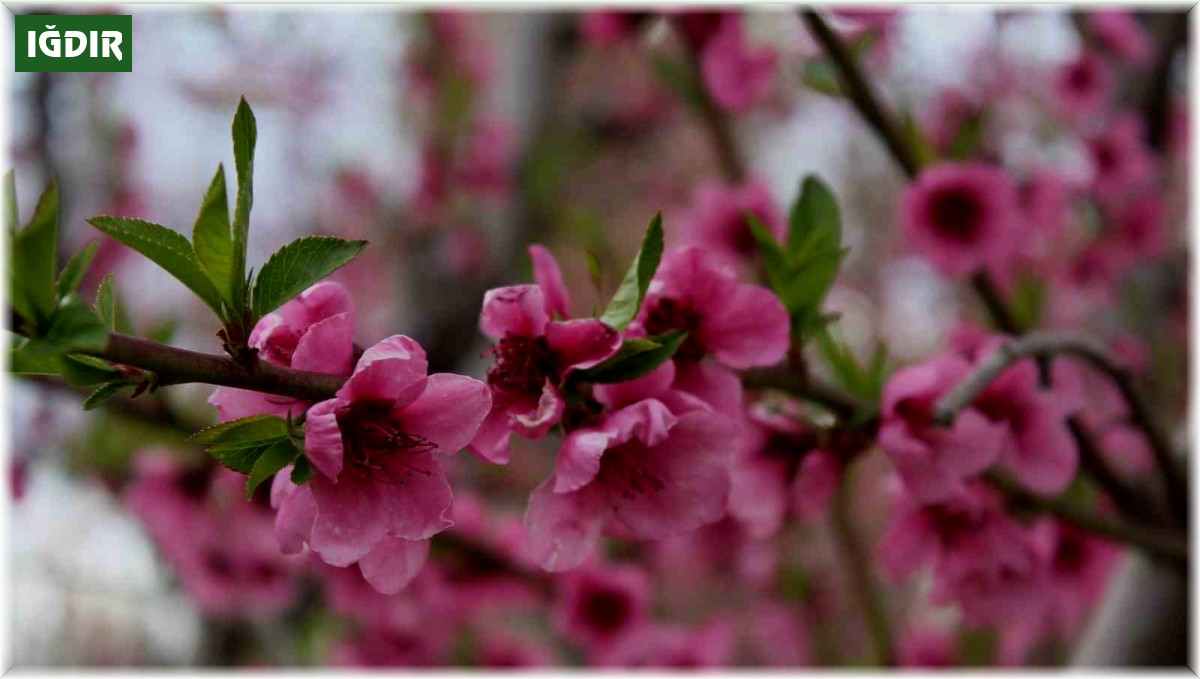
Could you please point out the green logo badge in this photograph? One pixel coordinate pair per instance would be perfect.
(60, 43)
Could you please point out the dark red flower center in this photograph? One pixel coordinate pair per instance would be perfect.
(1105, 155)
(375, 445)
(952, 524)
(522, 366)
(956, 213)
(623, 467)
(1081, 77)
(605, 610)
(1070, 555)
(669, 314)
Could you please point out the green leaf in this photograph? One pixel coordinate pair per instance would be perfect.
(680, 79)
(103, 393)
(245, 136)
(774, 258)
(35, 260)
(970, 135)
(76, 268)
(211, 237)
(302, 472)
(271, 461)
(9, 200)
(297, 265)
(820, 75)
(35, 361)
(164, 247)
(241, 456)
(86, 371)
(806, 286)
(106, 303)
(814, 221)
(628, 298)
(73, 327)
(637, 357)
(246, 428)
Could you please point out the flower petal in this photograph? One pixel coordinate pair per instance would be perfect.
(392, 370)
(561, 529)
(749, 329)
(549, 278)
(491, 442)
(295, 519)
(711, 383)
(323, 438)
(417, 496)
(448, 412)
(327, 346)
(534, 423)
(351, 518)
(581, 343)
(234, 404)
(393, 563)
(516, 310)
(650, 385)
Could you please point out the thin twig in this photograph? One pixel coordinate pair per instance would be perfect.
(1093, 461)
(1156, 541)
(797, 384)
(720, 129)
(1049, 345)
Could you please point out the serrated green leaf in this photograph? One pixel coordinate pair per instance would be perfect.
(73, 327)
(25, 361)
(302, 472)
(627, 300)
(73, 273)
(103, 393)
(246, 428)
(106, 303)
(241, 456)
(9, 200)
(637, 357)
(806, 286)
(245, 136)
(814, 223)
(271, 461)
(164, 247)
(35, 261)
(297, 265)
(211, 237)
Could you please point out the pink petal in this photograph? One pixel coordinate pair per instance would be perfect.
(819, 476)
(579, 458)
(416, 499)
(533, 424)
(549, 278)
(582, 343)
(716, 386)
(758, 494)
(392, 370)
(650, 385)
(561, 529)
(516, 309)
(917, 464)
(323, 439)
(691, 470)
(327, 346)
(294, 522)
(448, 412)
(491, 442)
(351, 518)
(234, 404)
(1044, 457)
(393, 563)
(321, 301)
(750, 329)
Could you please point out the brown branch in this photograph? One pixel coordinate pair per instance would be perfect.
(797, 384)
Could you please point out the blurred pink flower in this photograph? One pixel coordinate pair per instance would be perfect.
(605, 28)
(484, 165)
(740, 325)
(1120, 33)
(963, 217)
(927, 648)
(598, 605)
(377, 493)
(533, 353)
(218, 543)
(934, 461)
(716, 220)
(1081, 566)
(1082, 86)
(735, 75)
(1137, 231)
(641, 473)
(314, 331)
(671, 646)
(1121, 161)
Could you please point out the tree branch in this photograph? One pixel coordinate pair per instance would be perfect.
(797, 384)
(177, 366)
(858, 568)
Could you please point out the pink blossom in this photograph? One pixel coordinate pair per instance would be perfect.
(1120, 159)
(1082, 86)
(314, 331)
(963, 217)
(500, 650)
(641, 473)
(671, 646)
(533, 353)
(377, 493)
(1081, 566)
(1046, 198)
(484, 165)
(934, 461)
(606, 28)
(717, 220)
(735, 76)
(218, 544)
(740, 325)
(927, 648)
(1137, 235)
(981, 558)
(1120, 33)
(596, 606)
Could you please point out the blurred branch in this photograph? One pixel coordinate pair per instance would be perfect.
(718, 125)
(804, 386)
(857, 564)
(1048, 345)
(1156, 98)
